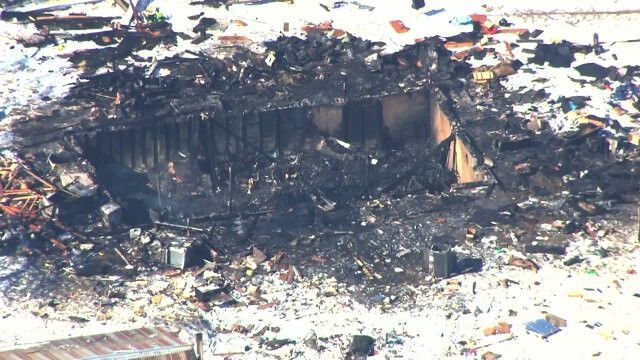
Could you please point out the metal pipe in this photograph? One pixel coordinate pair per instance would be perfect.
(199, 346)
(182, 227)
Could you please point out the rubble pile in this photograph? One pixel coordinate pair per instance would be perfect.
(292, 72)
(265, 199)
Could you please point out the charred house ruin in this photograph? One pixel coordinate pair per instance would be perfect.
(197, 138)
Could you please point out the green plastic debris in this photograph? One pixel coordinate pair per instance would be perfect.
(592, 272)
(156, 16)
(499, 250)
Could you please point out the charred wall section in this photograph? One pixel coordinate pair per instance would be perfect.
(459, 157)
(373, 123)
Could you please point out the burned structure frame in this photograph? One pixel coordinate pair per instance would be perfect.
(220, 117)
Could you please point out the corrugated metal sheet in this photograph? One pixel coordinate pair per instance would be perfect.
(144, 343)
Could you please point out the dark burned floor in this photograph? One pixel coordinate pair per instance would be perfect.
(323, 207)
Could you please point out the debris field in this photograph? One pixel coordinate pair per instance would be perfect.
(278, 180)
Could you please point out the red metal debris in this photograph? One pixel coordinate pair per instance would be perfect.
(399, 26)
(456, 45)
(479, 18)
(500, 328)
(325, 26)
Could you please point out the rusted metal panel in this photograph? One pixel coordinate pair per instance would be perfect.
(144, 343)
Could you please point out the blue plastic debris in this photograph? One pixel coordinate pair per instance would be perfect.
(626, 91)
(394, 340)
(461, 20)
(339, 4)
(542, 327)
(573, 106)
(433, 12)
